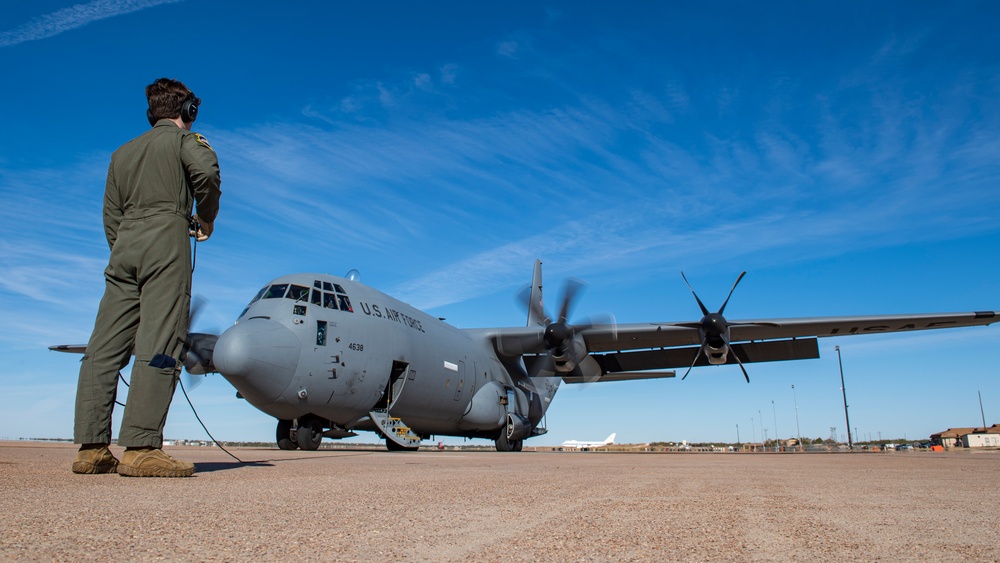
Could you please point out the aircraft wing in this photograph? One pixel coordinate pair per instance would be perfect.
(637, 347)
(602, 338)
(630, 351)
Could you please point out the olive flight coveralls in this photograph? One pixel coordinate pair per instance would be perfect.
(153, 182)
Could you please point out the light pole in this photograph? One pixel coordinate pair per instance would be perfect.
(763, 436)
(981, 411)
(775, 415)
(737, 435)
(798, 432)
(850, 442)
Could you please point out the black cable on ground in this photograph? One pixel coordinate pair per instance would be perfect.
(190, 404)
(216, 442)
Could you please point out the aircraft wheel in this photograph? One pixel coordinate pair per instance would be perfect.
(310, 434)
(505, 445)
(284, 435)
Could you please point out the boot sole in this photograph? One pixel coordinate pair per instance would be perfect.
(87, 468)
(129, 471)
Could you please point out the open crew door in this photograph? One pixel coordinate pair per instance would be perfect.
(394, 387)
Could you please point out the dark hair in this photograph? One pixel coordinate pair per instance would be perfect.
(166, 96)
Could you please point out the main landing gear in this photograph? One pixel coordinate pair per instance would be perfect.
(505, 445)
(286, 435)
(307, 436)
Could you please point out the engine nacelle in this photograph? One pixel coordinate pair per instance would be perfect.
(518, 427)
(574, 352)
(717, 356)
(485, 410)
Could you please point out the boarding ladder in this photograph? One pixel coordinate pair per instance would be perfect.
(394, 429)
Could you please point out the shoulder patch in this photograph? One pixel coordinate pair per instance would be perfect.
(201, 139)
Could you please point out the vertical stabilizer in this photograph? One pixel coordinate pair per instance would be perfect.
(545, 387)
(535, 298)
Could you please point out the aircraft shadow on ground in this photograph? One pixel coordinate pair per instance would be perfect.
(211, 467)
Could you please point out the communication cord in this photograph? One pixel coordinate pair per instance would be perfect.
(216, 442)
(194, 263)
(193, 410)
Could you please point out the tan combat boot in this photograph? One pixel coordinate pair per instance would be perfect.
(91, 460)
(153, 463)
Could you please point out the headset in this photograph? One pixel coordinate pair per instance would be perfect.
(189, 111)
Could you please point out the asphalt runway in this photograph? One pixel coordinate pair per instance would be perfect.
(528, 506)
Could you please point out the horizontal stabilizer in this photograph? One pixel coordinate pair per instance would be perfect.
(70, 348)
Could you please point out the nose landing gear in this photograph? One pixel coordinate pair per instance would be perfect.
(310, 433)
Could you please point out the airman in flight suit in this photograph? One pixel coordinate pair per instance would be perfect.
(153, 182)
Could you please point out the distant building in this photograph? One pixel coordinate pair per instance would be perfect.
(984, 440)
(960, 437)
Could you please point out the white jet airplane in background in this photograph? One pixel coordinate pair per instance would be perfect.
(577, 444)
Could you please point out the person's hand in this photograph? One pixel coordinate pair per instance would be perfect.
(204, 229)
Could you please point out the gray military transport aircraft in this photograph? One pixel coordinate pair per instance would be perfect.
(328, 356)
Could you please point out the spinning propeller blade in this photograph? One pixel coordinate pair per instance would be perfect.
(199, 348)
(562, 354)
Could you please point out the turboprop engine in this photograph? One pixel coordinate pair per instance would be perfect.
(565, 350)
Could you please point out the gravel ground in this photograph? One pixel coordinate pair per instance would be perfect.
(459, 506)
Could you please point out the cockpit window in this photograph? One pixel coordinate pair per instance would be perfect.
(333, 296)
(298, 293)
(259, 294)
(254, 300)
(276, 291)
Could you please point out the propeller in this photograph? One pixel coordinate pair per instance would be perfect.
(565, 350)
(714, 330)
(199, 347)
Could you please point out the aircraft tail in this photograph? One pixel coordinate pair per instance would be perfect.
(545, 386)
(535, 297)
(610, 439)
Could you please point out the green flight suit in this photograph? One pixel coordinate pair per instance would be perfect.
(153, 182)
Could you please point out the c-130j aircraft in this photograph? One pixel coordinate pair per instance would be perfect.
(328, 356)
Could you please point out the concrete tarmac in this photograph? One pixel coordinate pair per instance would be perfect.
(528, 506)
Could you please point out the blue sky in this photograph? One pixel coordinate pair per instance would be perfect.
(845, 155)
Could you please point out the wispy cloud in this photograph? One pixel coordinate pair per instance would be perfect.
(640, 178)
(73, 17)
(595, 185)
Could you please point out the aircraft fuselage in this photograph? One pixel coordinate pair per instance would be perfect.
(312, 345)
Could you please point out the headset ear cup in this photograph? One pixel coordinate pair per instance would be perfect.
(149, 116)
(189, 111)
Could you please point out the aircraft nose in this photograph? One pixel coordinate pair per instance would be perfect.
(259, 357)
